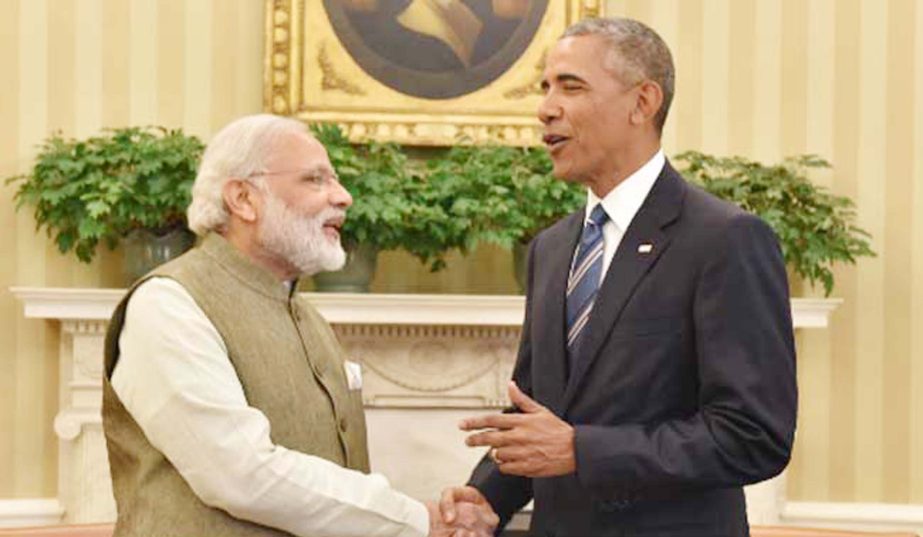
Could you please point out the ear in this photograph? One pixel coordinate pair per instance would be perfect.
(650, 99)
(239, 198)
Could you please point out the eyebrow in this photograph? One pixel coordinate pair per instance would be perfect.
(318, 169)
(563, 77)
(569, 77)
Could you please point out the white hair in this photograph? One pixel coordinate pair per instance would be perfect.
(241, 149)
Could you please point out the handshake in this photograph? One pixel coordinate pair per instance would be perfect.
(532, 442)
(462, 512)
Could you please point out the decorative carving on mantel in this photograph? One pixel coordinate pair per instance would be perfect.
(70, 422)
(87, 342)
(84, 327)
(431, 365)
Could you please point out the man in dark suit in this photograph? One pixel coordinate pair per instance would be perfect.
(656, 372)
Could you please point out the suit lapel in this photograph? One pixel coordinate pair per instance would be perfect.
(644, 242)
(551, 294)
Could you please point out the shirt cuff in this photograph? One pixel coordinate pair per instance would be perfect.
(417, 521)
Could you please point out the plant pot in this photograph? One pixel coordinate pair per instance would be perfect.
(144, 250)
(355, 275)
(520, 258)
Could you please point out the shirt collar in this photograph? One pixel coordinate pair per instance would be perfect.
(623, 202)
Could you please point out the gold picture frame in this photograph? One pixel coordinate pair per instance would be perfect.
(312, 73)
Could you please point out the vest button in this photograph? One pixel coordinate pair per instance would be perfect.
(342, 425)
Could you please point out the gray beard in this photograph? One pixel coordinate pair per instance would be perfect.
(300, 240)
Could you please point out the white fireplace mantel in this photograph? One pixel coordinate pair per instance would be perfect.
(427, 360)
(346, 308)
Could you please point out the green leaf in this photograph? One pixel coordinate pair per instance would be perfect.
(815, 228)
(103, 186)
(97, 208)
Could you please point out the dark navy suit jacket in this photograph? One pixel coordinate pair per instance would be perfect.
(683, 389)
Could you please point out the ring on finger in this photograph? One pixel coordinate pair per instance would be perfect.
(494, 456)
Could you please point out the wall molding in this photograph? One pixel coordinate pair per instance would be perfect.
(847, 516)
(18, 513)
(855, 516)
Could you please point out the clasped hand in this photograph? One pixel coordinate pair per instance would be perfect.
(533, 443)
(462, 512)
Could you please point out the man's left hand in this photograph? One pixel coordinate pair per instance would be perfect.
(535, 443)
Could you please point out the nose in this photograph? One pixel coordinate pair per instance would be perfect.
(339, 196)
(548, 109)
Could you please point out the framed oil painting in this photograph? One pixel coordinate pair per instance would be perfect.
(421, 72)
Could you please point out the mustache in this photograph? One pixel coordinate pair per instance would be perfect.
(330, 213)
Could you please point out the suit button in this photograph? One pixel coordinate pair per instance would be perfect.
(343, 425)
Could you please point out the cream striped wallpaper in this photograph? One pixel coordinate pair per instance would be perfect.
(77, 66)
(842, 79)
(761, 78)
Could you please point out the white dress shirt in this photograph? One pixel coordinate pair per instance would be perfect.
(622, 203)
(174, 374)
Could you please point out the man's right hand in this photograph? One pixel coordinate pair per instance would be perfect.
(465, 511)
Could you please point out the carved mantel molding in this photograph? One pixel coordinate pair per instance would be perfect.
(487, 310)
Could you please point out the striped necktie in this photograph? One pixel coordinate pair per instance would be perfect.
(584, 279)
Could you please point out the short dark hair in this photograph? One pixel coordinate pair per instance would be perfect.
(638, 53)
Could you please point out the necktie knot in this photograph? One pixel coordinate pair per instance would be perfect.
(598, 215)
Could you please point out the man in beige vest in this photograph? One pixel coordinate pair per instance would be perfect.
(227, 404)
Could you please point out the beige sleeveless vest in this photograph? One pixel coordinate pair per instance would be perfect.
(291, 368)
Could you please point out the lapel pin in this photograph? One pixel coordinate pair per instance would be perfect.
(645, 248)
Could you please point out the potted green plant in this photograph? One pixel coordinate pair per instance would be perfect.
(503, 195)
(816, 228)
(130, 184)
(394, 207)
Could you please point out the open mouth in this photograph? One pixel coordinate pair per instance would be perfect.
(554, 141)
(332, 227)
